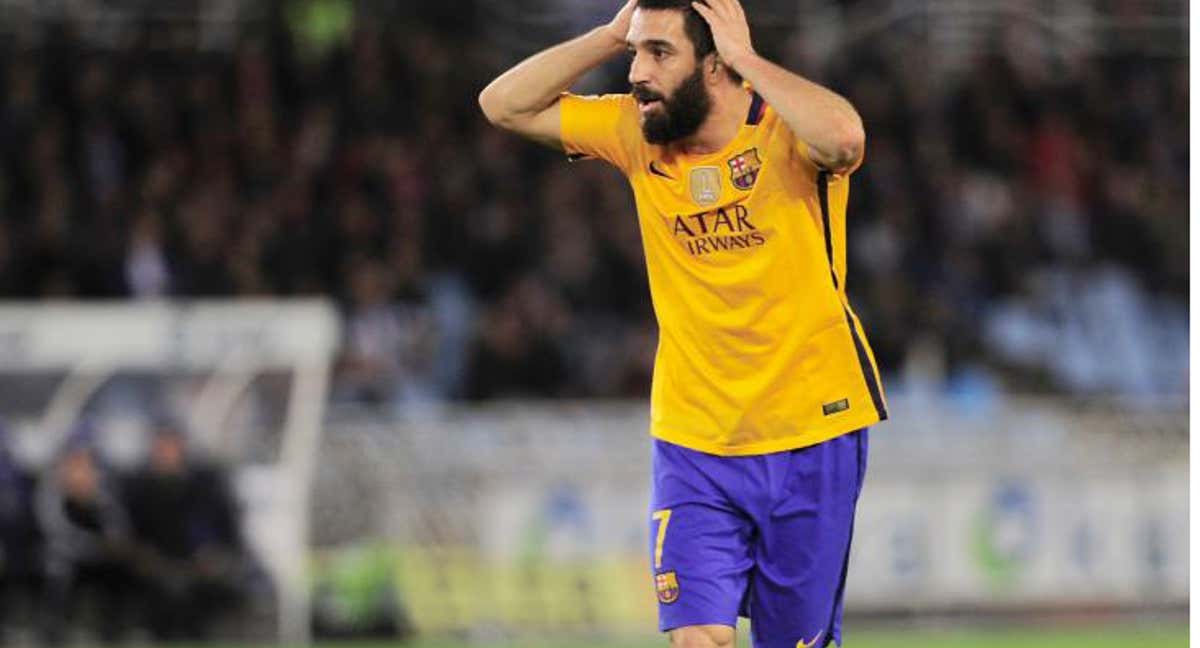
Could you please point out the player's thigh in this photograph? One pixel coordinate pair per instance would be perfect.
(705, 636)
(804, 547)
(701, 543)
(702, 556)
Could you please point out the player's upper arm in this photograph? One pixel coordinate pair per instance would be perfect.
(845, 157)
(844, 163)
(582, 126)
(542, 126)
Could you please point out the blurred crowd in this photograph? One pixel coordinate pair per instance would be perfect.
(1020, 225)
(155, 550)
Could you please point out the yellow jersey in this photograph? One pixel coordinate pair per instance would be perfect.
(758, 348)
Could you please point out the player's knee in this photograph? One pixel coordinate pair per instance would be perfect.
(707, 636)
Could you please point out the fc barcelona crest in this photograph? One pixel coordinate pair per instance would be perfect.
(743, 169)
(667, 586)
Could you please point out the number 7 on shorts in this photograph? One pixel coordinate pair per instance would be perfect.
(663, 518)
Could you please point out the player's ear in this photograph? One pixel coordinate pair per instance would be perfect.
(713, 65)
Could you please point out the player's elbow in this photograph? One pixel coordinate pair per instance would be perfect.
(848, 146)
(491, 102)
(851, 140)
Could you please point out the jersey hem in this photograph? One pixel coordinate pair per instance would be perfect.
(794, 442)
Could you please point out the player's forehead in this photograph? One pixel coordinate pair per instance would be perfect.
(657, 26)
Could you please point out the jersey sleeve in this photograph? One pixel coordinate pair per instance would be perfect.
(596, 127)
(785, 146)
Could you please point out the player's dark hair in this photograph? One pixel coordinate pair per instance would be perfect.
(694, 26)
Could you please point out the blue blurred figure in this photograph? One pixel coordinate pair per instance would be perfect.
(190, 559)
(20, 537)
(88, 542)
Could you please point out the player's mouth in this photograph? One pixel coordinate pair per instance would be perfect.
(647, 99)
(646, 105)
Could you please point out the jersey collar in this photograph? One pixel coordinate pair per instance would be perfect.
(758, 108)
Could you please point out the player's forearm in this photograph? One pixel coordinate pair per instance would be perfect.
(535, 83)
(820, 117)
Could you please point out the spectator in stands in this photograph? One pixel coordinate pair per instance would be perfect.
(516, 355)
(391, 339)
(189, 559)
(87, 544)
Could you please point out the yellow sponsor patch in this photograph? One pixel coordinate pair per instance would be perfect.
(705, 183)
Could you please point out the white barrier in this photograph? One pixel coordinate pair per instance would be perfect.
(224, 346)
(1036, 504)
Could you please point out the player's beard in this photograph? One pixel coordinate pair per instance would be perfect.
(682, 113)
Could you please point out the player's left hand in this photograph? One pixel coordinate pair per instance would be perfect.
(731, 32)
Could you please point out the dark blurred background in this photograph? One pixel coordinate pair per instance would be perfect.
(1018, 253)
(1019, 225)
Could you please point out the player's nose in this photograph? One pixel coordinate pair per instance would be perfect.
(637, 71)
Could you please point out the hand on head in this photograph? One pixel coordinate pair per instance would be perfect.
(619, 27)
(730, 30)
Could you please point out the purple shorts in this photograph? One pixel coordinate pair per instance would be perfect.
(765, 537)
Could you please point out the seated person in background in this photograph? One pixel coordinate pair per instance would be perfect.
(20, 538)
(87, 544)
(189, 556)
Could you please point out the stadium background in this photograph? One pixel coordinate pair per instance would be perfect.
(420, 346)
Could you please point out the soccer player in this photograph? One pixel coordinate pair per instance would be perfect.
(763, 382)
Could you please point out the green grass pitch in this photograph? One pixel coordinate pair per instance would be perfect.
(1173, 636)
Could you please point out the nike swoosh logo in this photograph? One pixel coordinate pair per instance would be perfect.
(810, 644)
(654, 169)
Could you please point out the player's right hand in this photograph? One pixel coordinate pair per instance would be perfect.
(619, 27)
